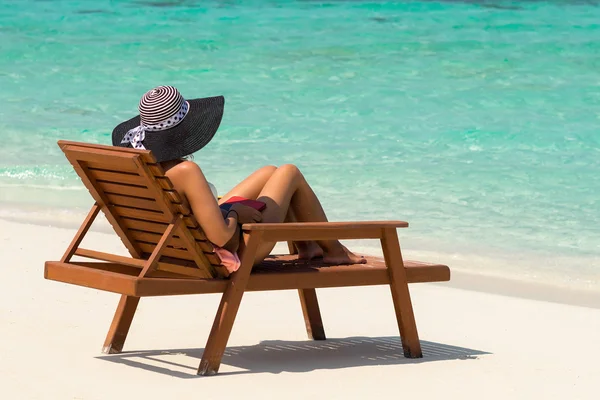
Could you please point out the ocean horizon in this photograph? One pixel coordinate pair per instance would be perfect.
(475, 121)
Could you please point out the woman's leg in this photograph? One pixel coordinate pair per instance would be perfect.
(252, 185)
(307, 250)
(287, 189)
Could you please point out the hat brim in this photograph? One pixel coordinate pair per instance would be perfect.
(190, 135)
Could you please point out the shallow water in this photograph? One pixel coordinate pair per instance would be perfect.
(475, 121)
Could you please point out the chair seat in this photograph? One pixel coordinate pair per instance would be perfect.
(278, 272)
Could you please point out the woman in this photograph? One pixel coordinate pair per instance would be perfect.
(173, 128)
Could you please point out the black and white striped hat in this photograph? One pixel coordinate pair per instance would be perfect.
(170, 126)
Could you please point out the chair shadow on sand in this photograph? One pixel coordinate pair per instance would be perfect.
(276, 356)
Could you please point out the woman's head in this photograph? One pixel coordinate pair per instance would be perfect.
(170, 126)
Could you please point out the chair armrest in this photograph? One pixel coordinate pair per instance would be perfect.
(322, 230)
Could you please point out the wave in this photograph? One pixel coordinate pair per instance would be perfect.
(35, 173)
(37, 186)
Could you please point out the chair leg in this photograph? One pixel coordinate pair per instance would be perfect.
(312, 314)
(401, 294)
(115, 339)
(219, 334)
(228, 308)
(292, 248)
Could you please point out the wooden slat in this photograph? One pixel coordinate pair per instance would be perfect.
(170, 191)
(173, 196)
(342, 276)
(176, 199)
(190, 222)
(127, 190)
(137, 202)
(181, 254)
(191, 271)
(148, 226)
(146, 155)
(213, 258)
(194, 250)
(151, 216)
(103, 160)
(167, 251)
(99, 255)
(353, 275)
(185, 270)
(157, 171)
(205, 246)
(149, 232)
(140, 214)
(164, 182)
(321, 226)
(117, 177)
(152, 237)
(92, 278)
(320, 234)
(297, 231)
(123, 269)
(184, 210)
(158, 227)
(115, 168)
(179, 201)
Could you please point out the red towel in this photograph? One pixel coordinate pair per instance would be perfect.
(257, 205)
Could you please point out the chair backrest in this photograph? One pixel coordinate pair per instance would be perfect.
(140, 202)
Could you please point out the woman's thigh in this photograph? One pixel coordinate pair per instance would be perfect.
(277, 194)
(251, 187)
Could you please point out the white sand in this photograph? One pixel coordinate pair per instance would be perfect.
(476, 345)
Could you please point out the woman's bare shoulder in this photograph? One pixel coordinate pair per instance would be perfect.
(186, 169)
(186, 176)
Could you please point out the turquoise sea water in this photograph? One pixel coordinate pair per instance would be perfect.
(475, 121)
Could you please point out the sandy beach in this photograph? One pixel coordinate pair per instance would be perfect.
(477, 344)
(475, 121)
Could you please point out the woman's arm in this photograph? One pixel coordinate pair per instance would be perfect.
(188, 179)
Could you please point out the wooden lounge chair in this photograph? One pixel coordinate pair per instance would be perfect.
(170, 254)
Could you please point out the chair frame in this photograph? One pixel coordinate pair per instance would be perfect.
(119, 274)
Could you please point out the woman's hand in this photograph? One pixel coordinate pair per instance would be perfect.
(246, 215)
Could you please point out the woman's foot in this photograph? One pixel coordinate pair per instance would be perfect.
(308, 250)
(343, 256)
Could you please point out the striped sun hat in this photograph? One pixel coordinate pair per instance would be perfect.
(169, 125)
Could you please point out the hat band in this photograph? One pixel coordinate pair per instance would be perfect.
(137, 135)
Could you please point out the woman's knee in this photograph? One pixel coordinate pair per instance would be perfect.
(270, 169)
(290, 169)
